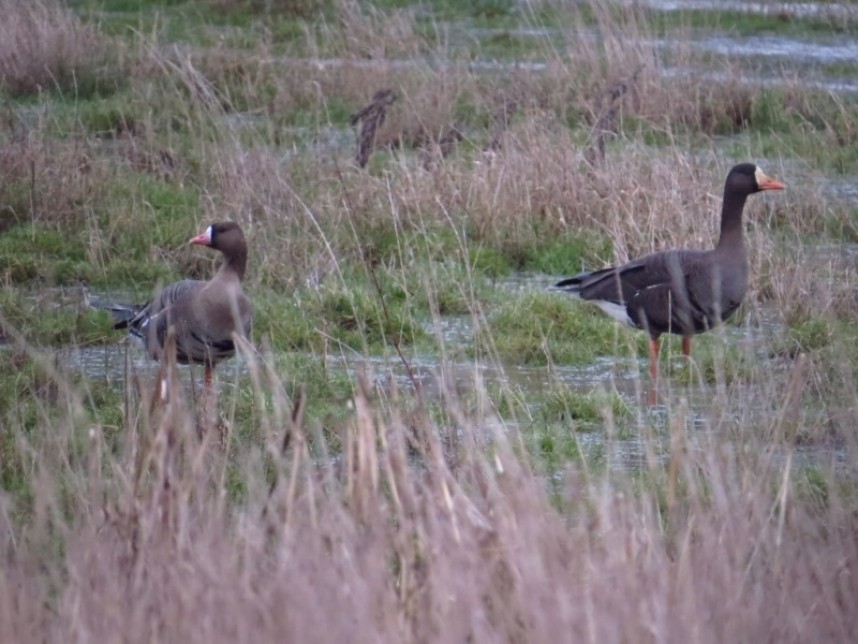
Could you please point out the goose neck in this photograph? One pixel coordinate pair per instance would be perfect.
(731, 220)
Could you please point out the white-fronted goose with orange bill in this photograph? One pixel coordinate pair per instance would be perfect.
(204, 315)
(684, 292)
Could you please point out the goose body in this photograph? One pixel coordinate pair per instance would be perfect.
(680, 291)
(204, 315)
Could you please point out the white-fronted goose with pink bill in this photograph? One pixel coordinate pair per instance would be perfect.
(204, 314)
(684, 292)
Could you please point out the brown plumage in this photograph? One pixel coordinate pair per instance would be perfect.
(203, 314)
(684, 292)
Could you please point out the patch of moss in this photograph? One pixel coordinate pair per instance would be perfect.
(743, 23)
(101, 117)
(502, 44)
(595, 411)
(30, 252)
(813, 334)
(566, 255)
(551, 328)
(554, 443)
(713, 359)
(42, 319)
(323, 319)
(813, 488)
(488, 262)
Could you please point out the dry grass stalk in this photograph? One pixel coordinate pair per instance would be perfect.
(48, 181)
(43, 46)
(362, 31)
(501, 120)
(409, 547)
(433, 151)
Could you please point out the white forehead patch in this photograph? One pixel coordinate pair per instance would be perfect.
(209, 233)
(760, 176)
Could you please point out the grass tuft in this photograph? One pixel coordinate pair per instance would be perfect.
(551, 328)
(44, 47)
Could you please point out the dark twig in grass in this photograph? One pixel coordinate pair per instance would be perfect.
(160, 163)
(294, 427)
(371, 117)
(606, 124)
(790, 413)
(376, 284)
(440, 148)
(501, 122)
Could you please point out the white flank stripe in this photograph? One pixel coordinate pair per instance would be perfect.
(616, 311)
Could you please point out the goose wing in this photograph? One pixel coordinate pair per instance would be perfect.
(657, 290)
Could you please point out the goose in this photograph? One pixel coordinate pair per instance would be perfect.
(681, 291)
(203, 314)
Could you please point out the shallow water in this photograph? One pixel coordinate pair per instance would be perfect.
(786, 9)
(759, 60)
(698, 407)
(832, 49)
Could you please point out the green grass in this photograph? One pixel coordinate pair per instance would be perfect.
(506, 45)
(551, 328)
(108, 117)
(564, 254)
(715, 359)
(811, 335)
(44, 319)
(327, 390)
(744, 23)
(39, 390)
(595, 411)
(337, 315)
(192, 21)
(555, 446)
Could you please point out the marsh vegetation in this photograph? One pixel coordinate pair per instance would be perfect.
(424, 443)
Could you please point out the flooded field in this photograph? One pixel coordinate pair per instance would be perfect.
(642, 443)
(759, 60)
(428, 441)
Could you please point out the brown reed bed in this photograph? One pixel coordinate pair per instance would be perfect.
(44, 47)
(160, 531)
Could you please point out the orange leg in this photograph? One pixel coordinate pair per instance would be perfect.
(208, 378)
(653, 359)
(686, 346)
(652, 398)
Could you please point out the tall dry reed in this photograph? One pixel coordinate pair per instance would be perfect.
(45, 47)
(416, 531)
